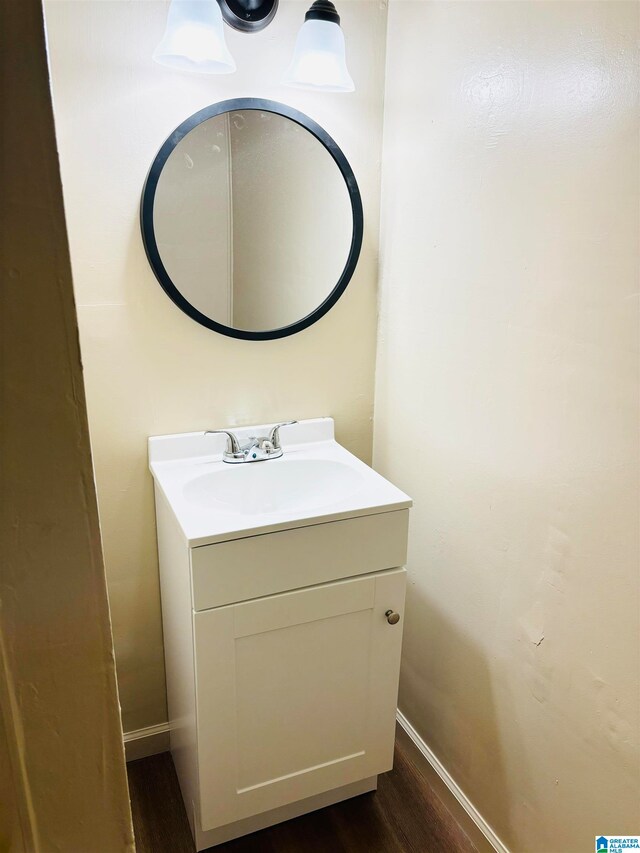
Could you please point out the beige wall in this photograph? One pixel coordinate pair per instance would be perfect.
(62, 774)
(149, 368)
(507, 402)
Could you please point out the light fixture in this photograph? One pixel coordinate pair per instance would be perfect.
(248, 16)
(319, 61)
(194, 39)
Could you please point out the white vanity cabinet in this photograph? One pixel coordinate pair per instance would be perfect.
(282, 654)
(296, 694)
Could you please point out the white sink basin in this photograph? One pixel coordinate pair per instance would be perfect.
(278, 485)
(315, 481)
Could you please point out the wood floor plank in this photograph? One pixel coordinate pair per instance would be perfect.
(159, 818)
(403, 816)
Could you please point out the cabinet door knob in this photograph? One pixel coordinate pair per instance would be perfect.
(392, 618)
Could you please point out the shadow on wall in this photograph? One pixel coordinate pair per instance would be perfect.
(471, 739)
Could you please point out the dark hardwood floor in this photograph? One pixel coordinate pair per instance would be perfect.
(404, 816)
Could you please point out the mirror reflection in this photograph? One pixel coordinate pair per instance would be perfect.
(253, 220)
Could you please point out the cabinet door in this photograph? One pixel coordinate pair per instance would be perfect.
(296, 694)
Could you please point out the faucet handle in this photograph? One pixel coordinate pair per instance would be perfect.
(274, 433)
(233, 445)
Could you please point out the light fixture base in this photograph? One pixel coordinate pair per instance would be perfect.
(248, 16)
(323, 10)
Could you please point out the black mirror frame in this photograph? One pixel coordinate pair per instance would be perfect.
(149, 237)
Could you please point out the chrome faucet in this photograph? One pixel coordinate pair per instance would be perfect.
(256, 449)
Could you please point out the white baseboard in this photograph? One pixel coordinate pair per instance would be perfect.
(144, 742)
(452, 785)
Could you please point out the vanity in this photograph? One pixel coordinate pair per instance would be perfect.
(282, 601)
(281, 553)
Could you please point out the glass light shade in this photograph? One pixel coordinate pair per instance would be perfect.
(194, 39)
(319, 60)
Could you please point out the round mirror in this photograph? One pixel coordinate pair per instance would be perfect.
(252, 219)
